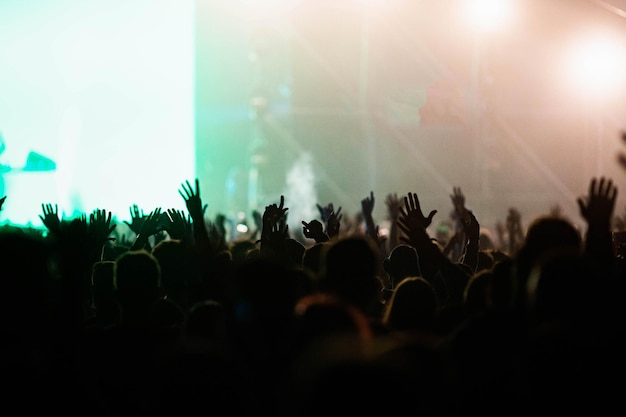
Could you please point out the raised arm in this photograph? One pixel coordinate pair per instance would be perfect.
(471, 231)
(137, 217)
(621, 156)
(393, 204)
(597, 208)
(50, 218)
(314, 230)
(413, 224)
(149, 227)
(515, 230)
(100, 227)
(367, 210)
(331, 218)
(178, 225)
(412, 213)
(456, 246)
(196, 210)
(273, 244)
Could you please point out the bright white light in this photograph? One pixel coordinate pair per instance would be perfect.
(105, 90)
(596, 64)
(487, 15)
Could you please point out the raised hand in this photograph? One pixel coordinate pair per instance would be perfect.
(458, 200)
(100, 226)
(393, 204)
(598, 206)
(597, 210)
(471, 227)
(412, 214)
(272, 215)
(333, 223)
(217, 232)
(152, 222)
(514, 229)
(367, 205)
(274, 211)
(514, 222)
(471, 230)
(275, 231)
(149, 228)
(192, 198)
(178, 225)
(220, 224)
(50, 217)
(325, 211)
(279, 230)
(621, 157)
(136, 219)
(314, 230)
(367, 210)
(257, 219)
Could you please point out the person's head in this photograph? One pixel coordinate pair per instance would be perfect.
(102, 282)
(208, 320)
(241, 248)
(312, 257)
(349, 269)
(561, 286)
(179, 269)
(413, 306)
(478, 292)
(545, 234)
(137, 280)
(402, 262)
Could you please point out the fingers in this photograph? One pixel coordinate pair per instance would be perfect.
(402, 212)
(408, 201)
(582, 206)
(413, 201)
(606, 188)
(602, 187)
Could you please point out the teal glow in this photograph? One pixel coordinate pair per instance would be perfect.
(105, 90)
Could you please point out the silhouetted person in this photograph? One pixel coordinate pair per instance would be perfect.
(349, 269)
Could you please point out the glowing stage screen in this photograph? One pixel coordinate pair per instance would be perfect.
(96, 106)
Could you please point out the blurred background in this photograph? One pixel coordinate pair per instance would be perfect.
(106, 104)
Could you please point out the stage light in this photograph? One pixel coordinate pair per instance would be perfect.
(487, 15)
(595, 64)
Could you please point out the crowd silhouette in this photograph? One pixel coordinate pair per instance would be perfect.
(169, 316)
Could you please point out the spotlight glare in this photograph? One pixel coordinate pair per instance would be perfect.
(596, 64)
(488, 15)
